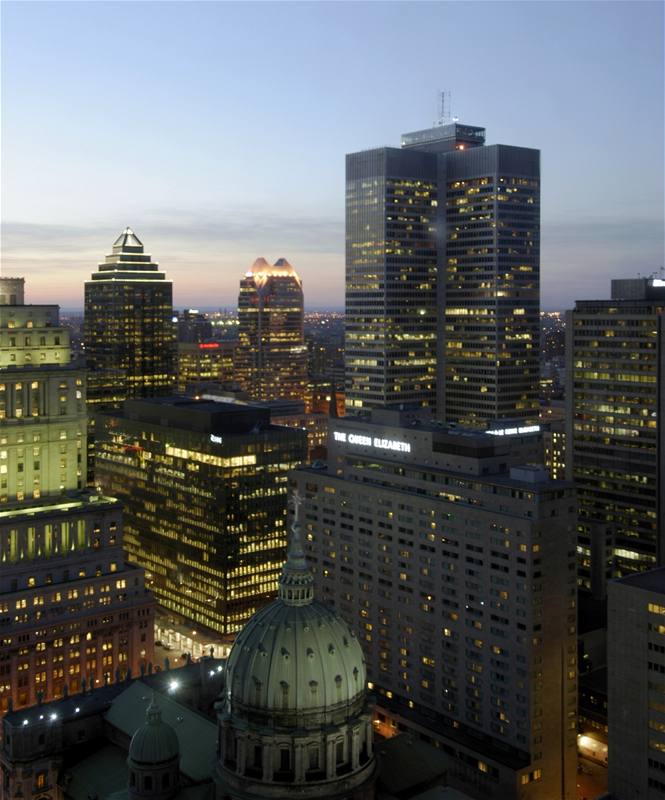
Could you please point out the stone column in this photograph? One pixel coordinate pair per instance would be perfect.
(242, 755)
(331, 765)
(116, 657)
(268, 758)
(298, 762)
(355, 747)
(369, 737)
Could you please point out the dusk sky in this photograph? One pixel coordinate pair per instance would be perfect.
(218, 131)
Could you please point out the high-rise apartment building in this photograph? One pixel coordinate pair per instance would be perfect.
(129, 332)
(442, 277)
(69, 607)
(456, 566)
(271, 356)
(203, 486)
(615, 435)
(636, 686)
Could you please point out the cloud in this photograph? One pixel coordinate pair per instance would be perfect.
(205, 253)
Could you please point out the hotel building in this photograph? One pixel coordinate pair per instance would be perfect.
(615, 434)
(203, 486)
(455, 563)
(271, 355)
(69, 607)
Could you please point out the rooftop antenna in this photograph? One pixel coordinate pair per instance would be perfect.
(445, 106)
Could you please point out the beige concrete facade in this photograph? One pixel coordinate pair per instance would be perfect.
(457, 569)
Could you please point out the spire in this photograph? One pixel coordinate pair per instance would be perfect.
(296, 583)
(127, 239)
(153, 714)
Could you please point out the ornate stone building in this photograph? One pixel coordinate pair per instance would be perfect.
(295, 713)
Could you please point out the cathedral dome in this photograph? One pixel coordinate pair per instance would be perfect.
(155, 742)
(296, 657)
(295, 716)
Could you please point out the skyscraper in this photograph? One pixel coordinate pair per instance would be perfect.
(391, 264)
(488, 296)
(128, 329)
(271, 356)
(69, 607)
(616, 436)
(442, 277)
(204, 490)
(453, 557)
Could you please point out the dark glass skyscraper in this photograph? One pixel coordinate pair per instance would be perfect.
(128, 328)
(391, 255)
(616, 406)
(489, 285)
(442, 271)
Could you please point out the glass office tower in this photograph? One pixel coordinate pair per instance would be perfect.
(128, 328)
(391, 261)
(489, 289)
(203, 486)
(442, 277)
(271, 356)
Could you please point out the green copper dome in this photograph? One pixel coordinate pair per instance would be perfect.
(155, 742)
(296, 661)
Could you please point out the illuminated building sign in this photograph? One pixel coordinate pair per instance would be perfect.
(209, 346)
(375, 442)
(515, 431)
(215, 439)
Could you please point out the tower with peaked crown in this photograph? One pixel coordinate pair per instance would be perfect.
(295, 713)
(128, 328)
(271, 357)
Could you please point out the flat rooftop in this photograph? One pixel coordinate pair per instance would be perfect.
(651, 581)
(197, 415)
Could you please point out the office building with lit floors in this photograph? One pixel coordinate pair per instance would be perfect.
(442, 277)
(69, 607)
(391, 265)
(636, 686)
(615, 434)
(128, 330)
(202, 363)
(453, 557)
(204, 491)
(271, 355)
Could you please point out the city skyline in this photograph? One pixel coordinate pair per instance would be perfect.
(213, 164)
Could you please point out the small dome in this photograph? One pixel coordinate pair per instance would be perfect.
(155, 742)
